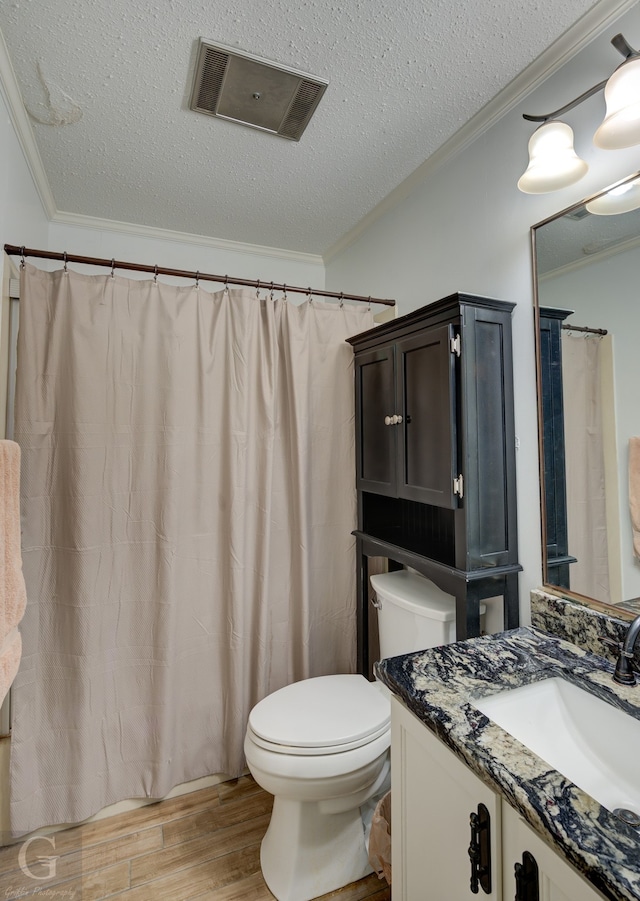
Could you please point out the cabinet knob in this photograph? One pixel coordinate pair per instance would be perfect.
(387, 420)
(399, 419)
(394, 419)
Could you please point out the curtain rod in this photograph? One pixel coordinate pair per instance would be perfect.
(585, 328)
(14, 250)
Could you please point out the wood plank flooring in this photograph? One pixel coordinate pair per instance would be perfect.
(204, 846)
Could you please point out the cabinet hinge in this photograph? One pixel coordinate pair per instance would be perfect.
(454, 345)
(458, 486)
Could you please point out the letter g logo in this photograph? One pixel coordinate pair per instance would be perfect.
(48, 862)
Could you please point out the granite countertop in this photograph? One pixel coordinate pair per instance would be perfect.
(437, 685)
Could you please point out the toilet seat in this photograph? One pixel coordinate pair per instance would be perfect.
(323, 715)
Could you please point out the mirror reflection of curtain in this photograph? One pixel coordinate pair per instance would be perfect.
(587, 525)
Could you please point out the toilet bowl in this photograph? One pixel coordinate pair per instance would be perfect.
(321, 747)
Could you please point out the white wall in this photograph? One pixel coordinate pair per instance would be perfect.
(129, 244)
(466, 227)
(22, 218)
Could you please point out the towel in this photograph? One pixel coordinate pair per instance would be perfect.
(13, 595)
(634, 492)
(10, 653)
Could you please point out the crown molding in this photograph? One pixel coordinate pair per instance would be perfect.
(161, 234)
(24, 131)
(585, 30)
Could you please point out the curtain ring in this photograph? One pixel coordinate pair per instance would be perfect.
(271, 292)
(197, 279)
(65, 261)
(22, 263)
(309, 297)
(369, 307)
(113, 266)
(341, 300)
(258, 290)
(284, 293)
(155, 274)
(226, 284)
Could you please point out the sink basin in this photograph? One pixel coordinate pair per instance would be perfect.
(590, 742)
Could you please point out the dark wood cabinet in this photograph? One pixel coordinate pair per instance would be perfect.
(405, 434)
(435, 454)
(557, 557)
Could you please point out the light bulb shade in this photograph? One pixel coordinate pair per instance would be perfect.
(553, 163)
(618, 200)
(621, 125)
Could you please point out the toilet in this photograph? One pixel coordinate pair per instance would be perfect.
(321, 747)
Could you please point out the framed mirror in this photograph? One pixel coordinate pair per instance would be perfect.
(587, 298)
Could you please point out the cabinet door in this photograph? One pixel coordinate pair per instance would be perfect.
(427, 454)
(375, 435)
(432, 799)
(557, 880)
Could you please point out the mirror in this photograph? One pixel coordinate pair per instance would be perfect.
(587, 260)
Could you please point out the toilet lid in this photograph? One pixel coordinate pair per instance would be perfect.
(337, 712)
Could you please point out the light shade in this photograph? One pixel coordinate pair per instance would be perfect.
(622, 199)
(621, 125)
(553, 163)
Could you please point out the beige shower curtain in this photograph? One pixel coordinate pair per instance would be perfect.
(188, 499)
(586, 500)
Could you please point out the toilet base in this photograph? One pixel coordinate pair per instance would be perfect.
(306, 854)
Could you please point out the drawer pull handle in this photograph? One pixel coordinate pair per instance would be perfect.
(527, 884)
(480, 850)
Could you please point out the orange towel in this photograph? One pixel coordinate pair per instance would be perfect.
(13, 595)
(634, 492)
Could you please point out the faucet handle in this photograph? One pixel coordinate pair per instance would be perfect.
(612, 643)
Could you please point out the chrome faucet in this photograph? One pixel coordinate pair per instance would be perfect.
(624, 668)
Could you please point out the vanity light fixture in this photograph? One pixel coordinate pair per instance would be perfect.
(621, 199)
(553, 162)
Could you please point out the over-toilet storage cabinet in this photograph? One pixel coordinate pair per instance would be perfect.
(434, 797)
(435, 455)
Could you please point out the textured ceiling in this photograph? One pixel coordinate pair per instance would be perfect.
(403, 78)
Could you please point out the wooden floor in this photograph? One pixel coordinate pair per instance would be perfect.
(204, 845)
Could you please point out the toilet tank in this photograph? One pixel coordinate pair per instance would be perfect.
(413, 613)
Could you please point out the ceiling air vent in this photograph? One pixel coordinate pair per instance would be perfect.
(251, 91)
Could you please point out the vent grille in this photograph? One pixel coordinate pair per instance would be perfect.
(580, 213)
(245, 89)
(214, 66)
(301, 109)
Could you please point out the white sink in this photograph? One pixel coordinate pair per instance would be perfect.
(590, 742)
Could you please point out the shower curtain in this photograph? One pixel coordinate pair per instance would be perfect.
(586, 500)
(188, 499)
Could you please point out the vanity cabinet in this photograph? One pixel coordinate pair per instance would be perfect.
(435, 455)
(434, 800)
(433, 796)
(537, 862)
